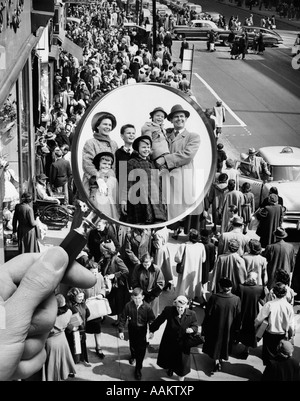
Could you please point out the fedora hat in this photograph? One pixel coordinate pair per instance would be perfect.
(136, 142)
(98, 117)
(280, 233)
(42, 176)
(158, 109)
(251, 151)
(237, 221)
(178, 109)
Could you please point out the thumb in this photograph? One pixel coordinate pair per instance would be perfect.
(39, 281)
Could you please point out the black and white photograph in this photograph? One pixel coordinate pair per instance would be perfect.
(150, 194)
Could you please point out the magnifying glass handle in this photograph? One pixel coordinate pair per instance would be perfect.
(76, 240)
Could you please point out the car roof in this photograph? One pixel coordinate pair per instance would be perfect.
(281, 155)
(204, 20)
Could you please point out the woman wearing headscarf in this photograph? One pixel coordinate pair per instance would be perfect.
(181, 321)
(231, 265)
(114, 269)
(221, 323)
(192, 255)
(270, 217)
(281, 324)
(25, 225)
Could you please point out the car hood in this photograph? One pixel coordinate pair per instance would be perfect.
(288, 191)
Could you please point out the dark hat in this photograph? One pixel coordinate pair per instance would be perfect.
(251, 151)
(158, 109)
(233, 245)
(136, 142)
(42, 176)
(280, 233)
(223, 177)
(237, 221)
(178, 109)
(98, 117)
(225, 282)
(255, 246)
(273, 198)
(97, 158)
(204, 232)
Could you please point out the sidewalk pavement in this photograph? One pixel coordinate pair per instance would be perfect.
(115, 366)
(263, 12)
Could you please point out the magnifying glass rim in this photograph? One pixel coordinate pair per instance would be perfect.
(78, 178)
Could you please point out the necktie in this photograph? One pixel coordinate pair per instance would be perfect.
(176, 132)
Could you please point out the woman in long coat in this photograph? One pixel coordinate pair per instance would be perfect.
(114, 269)
(25, 225)
(221, 323)
(192, 254)
(250, 294)
(172, 354)
(270, 217)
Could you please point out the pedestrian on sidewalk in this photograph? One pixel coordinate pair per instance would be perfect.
(139, 315)
(172, 354)
(221, 323)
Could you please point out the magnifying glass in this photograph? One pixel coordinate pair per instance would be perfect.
(167, 172)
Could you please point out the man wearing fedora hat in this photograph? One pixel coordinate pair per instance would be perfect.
(102, 125)
(255, 166)
(280, 255)
(155, 130)
(183, 146)
(237, 234)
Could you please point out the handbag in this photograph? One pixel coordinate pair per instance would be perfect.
(98, 308)
(180, 265)
(193, 340)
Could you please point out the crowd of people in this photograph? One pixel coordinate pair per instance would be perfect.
(223, 270)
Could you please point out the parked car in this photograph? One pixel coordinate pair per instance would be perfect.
(284, 165)
(198, 30)
(270, 37)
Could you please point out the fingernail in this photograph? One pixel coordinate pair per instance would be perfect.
(56, 257)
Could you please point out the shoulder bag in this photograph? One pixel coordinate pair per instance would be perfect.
(180, 265)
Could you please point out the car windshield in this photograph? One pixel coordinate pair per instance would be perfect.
(286, 173)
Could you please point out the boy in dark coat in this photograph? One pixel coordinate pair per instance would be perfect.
(139, 315)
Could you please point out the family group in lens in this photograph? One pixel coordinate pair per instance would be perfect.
(126, 183)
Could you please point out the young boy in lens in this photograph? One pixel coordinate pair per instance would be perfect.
(139, 315)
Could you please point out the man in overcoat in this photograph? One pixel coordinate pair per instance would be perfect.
(183, 147)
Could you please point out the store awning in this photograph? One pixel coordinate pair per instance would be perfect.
(72, 48)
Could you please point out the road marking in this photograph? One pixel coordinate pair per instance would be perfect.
(242, 124)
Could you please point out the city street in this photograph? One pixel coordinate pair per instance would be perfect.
(261, 93)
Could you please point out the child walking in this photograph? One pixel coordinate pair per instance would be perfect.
(139, 315)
